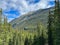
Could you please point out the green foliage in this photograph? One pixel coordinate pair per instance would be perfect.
(40, 40)
(10, 42)
(36, 34)
(10, 36)
(18, 37)
(50, 31)
(54, 25)
(26, 41)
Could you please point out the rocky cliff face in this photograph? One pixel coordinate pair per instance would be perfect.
(31, 19)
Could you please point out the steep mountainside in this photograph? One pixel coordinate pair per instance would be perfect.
(31, 19)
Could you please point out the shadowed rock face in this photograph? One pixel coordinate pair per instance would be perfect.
(31, 19)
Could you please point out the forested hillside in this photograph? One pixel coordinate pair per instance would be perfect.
(11, 36)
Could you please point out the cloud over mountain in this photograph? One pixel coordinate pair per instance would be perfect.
(15, 8)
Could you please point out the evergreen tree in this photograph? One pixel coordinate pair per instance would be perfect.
(43, 39)
(50, 38)
(5, 20)
(19, 39)
(5, 23)
(35, 40)
(9, 27)
(54, 26)
(38, 29)
(16, 41)
(10, 42)
(30, 41)
(39, 40)
(57, 22)
(0, 17)
(14, 36)
(26, 41)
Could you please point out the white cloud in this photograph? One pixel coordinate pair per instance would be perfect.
(51, 0)
(3, 4)
(23, 6)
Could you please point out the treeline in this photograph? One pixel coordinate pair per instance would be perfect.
(4, 25)
(9, 36)
(40, 40)
(22, 37)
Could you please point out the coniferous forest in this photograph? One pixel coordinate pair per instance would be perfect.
(40, 36)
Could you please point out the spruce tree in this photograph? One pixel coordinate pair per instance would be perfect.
(30, 41)
(57, 21)
(26, 41)
(5, 23)
(14, 39)
(5, 20)
(43, 39)
(54, 26)
(10, 42)
(38, 29)
(50, 38)
(35, 40)
(9, 27)
(0, 18)
(19, 39)
(39, 40)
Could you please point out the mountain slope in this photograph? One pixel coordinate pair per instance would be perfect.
(31, 19)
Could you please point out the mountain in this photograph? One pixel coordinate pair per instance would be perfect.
(31, 19)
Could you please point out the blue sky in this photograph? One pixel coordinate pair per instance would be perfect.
(15, 8)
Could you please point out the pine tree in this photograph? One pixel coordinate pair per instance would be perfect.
(43, 39)
(19, 39)
(5, 20)
(50, 38)
(26, 41)
(30, 41)
(57, 21)
(35, 40)
(39, 40)
(9, 27)
(54, 24)
(0, 17)
(10, 42)
(5, 23)
(38, 29)
(14, 39)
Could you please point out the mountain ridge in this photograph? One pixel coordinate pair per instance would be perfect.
(31, 19)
